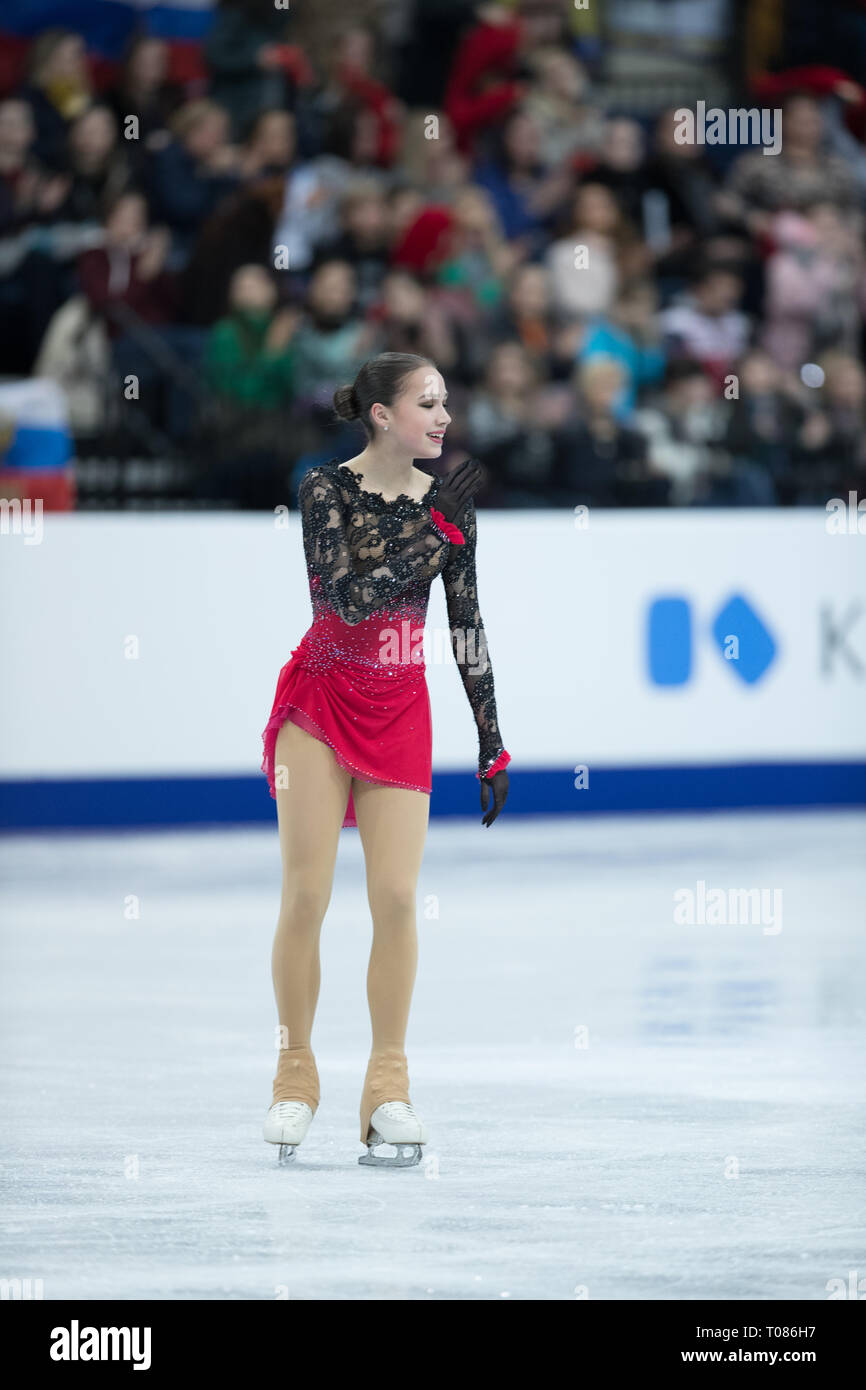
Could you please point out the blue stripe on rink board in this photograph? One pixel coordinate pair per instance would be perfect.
(130, 802)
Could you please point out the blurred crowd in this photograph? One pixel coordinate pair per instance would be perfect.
(200, 258)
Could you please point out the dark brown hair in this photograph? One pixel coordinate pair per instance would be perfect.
(379, 381)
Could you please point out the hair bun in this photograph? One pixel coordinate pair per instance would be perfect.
(346, 403)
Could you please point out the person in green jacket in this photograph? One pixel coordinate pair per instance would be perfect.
(249, 368)
(248, 355)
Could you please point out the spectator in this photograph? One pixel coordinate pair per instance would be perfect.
(597, 461)
(332, 342)
(128, 285)
(350, 89)
(128, 270)
(479, 258)
(507, 430)
(684, 432)
(99, 172)
(765, 419)
(687, 441)
(621, 167)
(249, 369)
(571, 127)
(193, 173)
(830, 454)
(240, 232)
(57, 90)
(586, 263)
(17, 165)
(427, 56)
(270, 146)
(143, 90)
(526, 315)
(248, 357)
(434, 165)
(678, 204)
(482, 87)
(364, 240)
(525, 194)
(629, 334)
(815, 285)
(36, 251)
(310, 215)
(707, 324)
(252, 68)
(801, 174)
(410, 319)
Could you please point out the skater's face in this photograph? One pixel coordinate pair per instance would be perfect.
(418, 417)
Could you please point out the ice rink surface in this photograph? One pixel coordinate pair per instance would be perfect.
(620, 1106)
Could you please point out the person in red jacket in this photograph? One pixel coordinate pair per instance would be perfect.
(128, 269)
(127, 284)
(352, 74)
(483, 85)
(486, 80)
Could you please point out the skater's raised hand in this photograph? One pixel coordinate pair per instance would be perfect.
(498, 783)
(457, 487)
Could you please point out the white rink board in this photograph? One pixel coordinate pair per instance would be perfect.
(216, 603)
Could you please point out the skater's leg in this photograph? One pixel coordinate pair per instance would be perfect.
(392, 823)
(310, 810)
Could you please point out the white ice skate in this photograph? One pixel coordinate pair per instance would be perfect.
(395, 1124)
(286, 1124)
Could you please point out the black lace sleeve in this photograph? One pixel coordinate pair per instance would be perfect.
(469, 640)
(353, 595)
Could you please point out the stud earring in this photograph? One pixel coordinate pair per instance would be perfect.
(384, 427)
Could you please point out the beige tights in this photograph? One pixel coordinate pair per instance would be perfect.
(392, 823)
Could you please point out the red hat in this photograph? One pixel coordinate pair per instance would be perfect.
(426, 242)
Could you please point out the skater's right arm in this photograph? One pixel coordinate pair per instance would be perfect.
(357, 596)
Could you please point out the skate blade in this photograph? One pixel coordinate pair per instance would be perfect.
(407, 1156)
(288, 1154)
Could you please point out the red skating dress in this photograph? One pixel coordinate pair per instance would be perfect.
(357, 679)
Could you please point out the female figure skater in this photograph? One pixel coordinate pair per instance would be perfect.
(349, 740)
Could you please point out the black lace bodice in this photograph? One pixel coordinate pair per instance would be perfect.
(367, 555)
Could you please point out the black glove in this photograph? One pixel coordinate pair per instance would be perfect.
(457, 487)
(499, 784)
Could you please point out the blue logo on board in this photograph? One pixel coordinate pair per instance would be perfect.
(743, 639)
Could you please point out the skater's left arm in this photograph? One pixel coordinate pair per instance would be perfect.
(469, 644)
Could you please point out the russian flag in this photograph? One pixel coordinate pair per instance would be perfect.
(107, 25)
(178, 19)
(36, 448)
